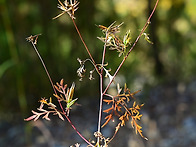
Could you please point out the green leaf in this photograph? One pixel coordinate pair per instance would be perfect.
(71, 92)
(127, 38)
(71, 103)
(147, 38)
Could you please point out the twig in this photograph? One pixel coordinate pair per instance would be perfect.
(144, 28)
(58, 99)
(93, 61)
(101, 90)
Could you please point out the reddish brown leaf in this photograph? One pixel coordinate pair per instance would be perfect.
(37, 117)
(108, 110)
(57, 96)
(109, 117)
(133, 93)
(56, 87)
(116, 113)
(61, 82)
(134, 103)
(65, 86)
(46, 116)
(118, 108)
(30, 118)
(108, 101)
(60, 116)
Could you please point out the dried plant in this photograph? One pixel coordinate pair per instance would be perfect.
(51, 109)
(122, 106)
(113, 41)
(68, 7)
(121, 100)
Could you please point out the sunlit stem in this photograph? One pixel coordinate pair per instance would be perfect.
(58, 99)
(101, 89)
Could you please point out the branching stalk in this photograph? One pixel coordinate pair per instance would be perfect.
(45, 68)
(142, 31)
(49, 77)
(81, 38)
(101, 89)
(70, 8)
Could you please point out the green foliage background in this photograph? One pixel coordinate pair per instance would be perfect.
(172, 57)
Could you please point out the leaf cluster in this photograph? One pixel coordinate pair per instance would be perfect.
(82, 70)
(65, 95)
(112, 40)
(121, 109)
(43, 112)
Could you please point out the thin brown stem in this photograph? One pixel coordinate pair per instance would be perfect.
(136, 41)
(45, 68)
(81, 38)
(78, 131)
(49, 77)
(43, 64)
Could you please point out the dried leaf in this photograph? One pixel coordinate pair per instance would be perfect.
(117, 127)
(58, 97)
(119, 108)
(60, 116)
(134, 103)
(135, 92)
(61, 82)
(33, 39)
(108, 101)
(118, 88)
(56, 88)
(46, 116)
(108, 110)
(37, 117)
(68, 7)
(109, 117)
(30, 118)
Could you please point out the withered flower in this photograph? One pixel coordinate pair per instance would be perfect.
(33, 39)
(81, 70)
(68, 7)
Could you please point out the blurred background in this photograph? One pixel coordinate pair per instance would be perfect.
(165, 71)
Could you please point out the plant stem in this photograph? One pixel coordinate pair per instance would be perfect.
(49, 77)
(101, 89)
(78, 131)
(143, 29)
(85, 45)
(45, 68)
(43, 64)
